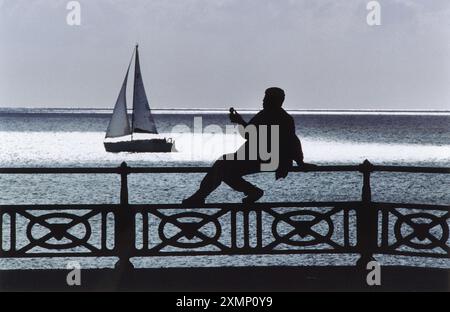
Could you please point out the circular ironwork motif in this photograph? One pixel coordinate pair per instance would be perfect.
(189, 230)
(59, 231)
(422, 231)
(303, 228)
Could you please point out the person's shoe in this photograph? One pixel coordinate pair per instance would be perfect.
(253, 196)
(194, 200)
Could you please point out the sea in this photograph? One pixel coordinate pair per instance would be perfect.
(74, 138)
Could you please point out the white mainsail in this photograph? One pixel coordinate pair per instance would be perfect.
(119, 125)
(142, 118)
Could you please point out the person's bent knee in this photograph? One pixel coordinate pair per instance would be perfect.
(219, 167)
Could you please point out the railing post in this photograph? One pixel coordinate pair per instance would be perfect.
(123, 184)
(367, 220)
(124, 231)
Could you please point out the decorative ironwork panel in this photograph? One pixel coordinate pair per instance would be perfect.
(414, 230)
(57, 231)
(242, 230)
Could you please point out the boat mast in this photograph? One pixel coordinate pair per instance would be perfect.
(132, 111)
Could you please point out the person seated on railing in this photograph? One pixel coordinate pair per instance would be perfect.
(232, 167)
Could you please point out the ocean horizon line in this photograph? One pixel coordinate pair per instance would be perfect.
(100, 111)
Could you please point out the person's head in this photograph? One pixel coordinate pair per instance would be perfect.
(274, 98)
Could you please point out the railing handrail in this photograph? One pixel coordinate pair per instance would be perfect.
(221, 205)
(193, 169)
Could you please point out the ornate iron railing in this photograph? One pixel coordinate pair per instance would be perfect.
(127, 230)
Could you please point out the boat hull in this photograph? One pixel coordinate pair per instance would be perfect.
(141, 146)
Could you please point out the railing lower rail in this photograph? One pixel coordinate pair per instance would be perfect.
(126, 230)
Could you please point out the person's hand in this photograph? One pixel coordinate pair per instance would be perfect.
(299, 160)
(235, 117)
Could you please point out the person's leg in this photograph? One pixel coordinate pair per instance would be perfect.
(210, 182)
(231, 172)
(234, 178)
(213, 179)
(238, 183)
(234, 172)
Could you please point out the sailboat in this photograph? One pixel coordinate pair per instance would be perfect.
(141, 122)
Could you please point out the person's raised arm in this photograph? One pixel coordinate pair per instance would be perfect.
(235, 117)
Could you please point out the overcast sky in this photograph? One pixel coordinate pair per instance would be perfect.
(222, 53)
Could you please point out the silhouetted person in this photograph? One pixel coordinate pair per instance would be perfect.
(232, 171)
